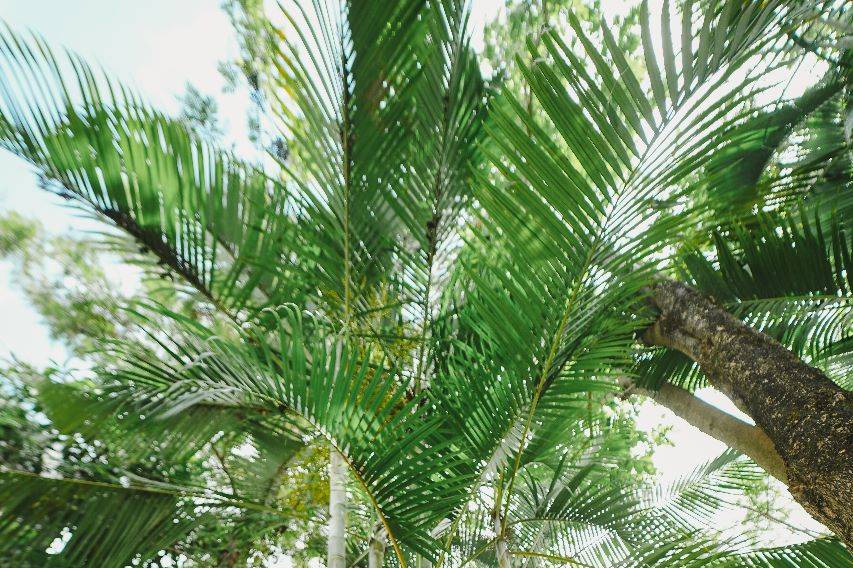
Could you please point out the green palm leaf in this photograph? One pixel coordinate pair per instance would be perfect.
(395, 448)
(220, 224)
(786, 276)
(568, 239)
(101, 523)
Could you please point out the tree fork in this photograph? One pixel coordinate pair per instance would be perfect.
(808, 418)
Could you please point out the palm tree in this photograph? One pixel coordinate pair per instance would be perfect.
(442, 288)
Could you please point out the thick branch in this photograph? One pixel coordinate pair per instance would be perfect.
(730, 430)
(808, 418)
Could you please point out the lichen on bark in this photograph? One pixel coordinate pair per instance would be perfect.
(807, 416)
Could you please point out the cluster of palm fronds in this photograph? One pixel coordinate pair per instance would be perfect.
(439, 286)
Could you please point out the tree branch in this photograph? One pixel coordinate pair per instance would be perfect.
(720, 425)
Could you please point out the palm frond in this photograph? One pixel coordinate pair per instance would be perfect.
(784, 275)
(336, 86)
(733, 177)
(122, 419)
(691, 503)
(576, 515)
(818, 553)
(566, 239)
(397, 450)
(74, 522)
(220, 224)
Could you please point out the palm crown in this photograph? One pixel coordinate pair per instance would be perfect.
(439, 283)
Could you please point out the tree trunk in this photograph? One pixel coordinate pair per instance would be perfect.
(807, 417)
(501, 551)
(504, 558)
(376, 547)
(337, 546)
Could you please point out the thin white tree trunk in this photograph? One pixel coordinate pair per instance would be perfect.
(504, 558)
(337, 546)
(501, 552)
(376, 548)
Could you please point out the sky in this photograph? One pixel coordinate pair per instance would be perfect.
(157, 47)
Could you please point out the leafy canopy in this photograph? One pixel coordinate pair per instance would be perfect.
(438, 279)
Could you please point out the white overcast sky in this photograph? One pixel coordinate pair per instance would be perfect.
(157, 47)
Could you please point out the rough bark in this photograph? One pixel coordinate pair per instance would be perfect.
(807, 417)
(707, 418)
(336, 557)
